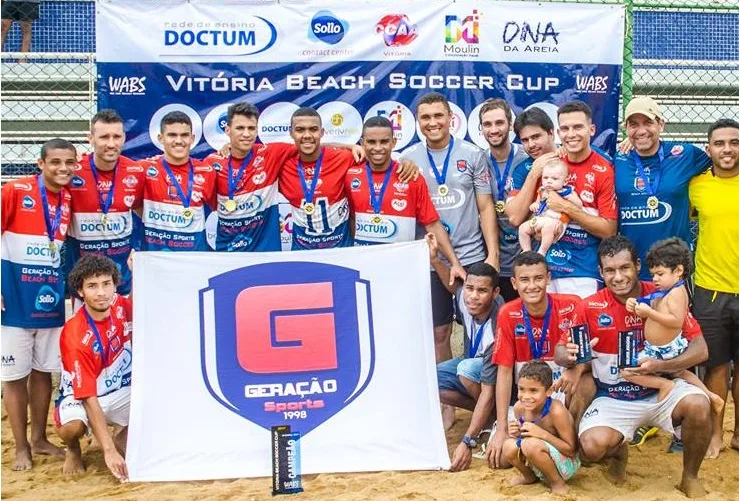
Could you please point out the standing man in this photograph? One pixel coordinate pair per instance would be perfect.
(652, 180)
(35, 219)
(104, 191)
(621, 407)
(714, 196)
(24, 12)
(496, 120)
(457, 175)
(176, 190)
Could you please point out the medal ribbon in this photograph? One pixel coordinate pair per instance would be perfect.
(658, 294)
(377, 201)
(544, 413)
(654, 185)
(537, 349)
(190, 175)
(309, 193)
(441, 176)
(475, 345)
(99, 339)
(105, 202)
(233, 183)
(501, 180)
(51, 226)
(543, 203)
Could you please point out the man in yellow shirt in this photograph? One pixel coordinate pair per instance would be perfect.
(714, 195)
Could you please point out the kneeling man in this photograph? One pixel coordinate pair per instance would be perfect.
(95, 345)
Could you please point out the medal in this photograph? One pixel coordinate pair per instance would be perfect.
(533, 221)
(652, 202)
(309, 193)
(52, 248)
(537, 348)
(230, 205)
(51, 225)
(104, 219)
(105, 201)
(443, 189)
(376, 220)
(375, 198)
(651, 188)
(187, 213)
(500, 179)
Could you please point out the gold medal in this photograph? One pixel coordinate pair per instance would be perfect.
(443, 190)
(309, 208)
(376, 220)
(104, 219)
(52, 247)
(230, 205)
(500, 207)
(533, 221)
(187, 213)
(652, 202)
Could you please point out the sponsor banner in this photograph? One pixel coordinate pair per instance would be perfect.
(327, 345)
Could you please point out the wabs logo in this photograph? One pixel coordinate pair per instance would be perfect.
(327, 28)
(260, 361)
(462, 36)
(591, 84)
(127, 86)
(522, 36)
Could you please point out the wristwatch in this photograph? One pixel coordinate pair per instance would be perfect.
(470, 442)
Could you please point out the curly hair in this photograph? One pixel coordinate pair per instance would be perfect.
(537, 370)
(670, 253)
(89, 266)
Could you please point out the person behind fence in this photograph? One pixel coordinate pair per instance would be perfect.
(548, 224)
(24, 12)
(543, 439)
(95, 388)
(35, 218)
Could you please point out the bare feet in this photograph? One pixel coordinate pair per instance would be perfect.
(717, 403)
(559, 489)
(45, 448)
(22, 459)
(617, 466)
(735, 441)
(523, 480)
(448, 416)
(716, 446)
(73, 463)
(665, 389)
(692, 488)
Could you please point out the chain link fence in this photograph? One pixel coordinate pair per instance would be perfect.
(683, 53)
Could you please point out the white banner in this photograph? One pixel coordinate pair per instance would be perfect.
(370, 30)
(336, 343)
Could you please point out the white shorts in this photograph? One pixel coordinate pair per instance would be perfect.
(579, 286)
(26, 349)
(115, 405)
(626, 416)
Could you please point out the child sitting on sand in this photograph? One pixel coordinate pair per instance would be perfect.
(665, 309)
(543, 437)
(549, 224)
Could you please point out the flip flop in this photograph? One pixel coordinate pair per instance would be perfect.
(642, 434)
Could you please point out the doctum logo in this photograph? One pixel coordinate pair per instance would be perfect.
(327, 28)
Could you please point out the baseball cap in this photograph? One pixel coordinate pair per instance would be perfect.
(643, 105)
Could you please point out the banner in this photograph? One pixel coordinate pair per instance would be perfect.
(352, 60)
(337, 344)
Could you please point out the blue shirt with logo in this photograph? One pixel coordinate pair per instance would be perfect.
(645, 226)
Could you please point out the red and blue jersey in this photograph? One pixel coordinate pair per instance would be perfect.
(328, 224)
(167, 226)
(32, 280)
(253, 224)
(606, 316)
(403, 205)
(110, 236)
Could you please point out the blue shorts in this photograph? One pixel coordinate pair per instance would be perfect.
(448, 372)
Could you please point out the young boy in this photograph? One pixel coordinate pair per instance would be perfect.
(546, 222)
(95, 389)
(543, 437)
(665, 309)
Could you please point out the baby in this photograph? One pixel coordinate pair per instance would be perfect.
(546, 223)
(669, 263)
(543, 437)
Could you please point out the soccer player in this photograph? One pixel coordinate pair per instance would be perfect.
(496, 121)
(104, 191)
(176, 189)
(528, 328)
(95, 389)
(314, 183)
(714, 196)
(457, 175)
(652, 180)
(35, 219)
(619, 407)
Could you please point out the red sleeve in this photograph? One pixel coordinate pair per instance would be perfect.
(425, 211)
(280, 152)
(8, 205)
(607, 203)
(691, 328)
(348, 189)
(79, 361)
(504, 350)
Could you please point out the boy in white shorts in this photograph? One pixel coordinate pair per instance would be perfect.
(95, 388)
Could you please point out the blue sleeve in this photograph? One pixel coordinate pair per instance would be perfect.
(700, 160)
(601, 153)
(520, 173)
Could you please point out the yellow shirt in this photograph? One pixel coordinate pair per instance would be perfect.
(717, 257)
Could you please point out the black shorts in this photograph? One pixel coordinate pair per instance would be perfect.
(507, 292)
(718, 315)
(20, 11)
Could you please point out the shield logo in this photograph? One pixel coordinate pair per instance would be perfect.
(288, 343)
